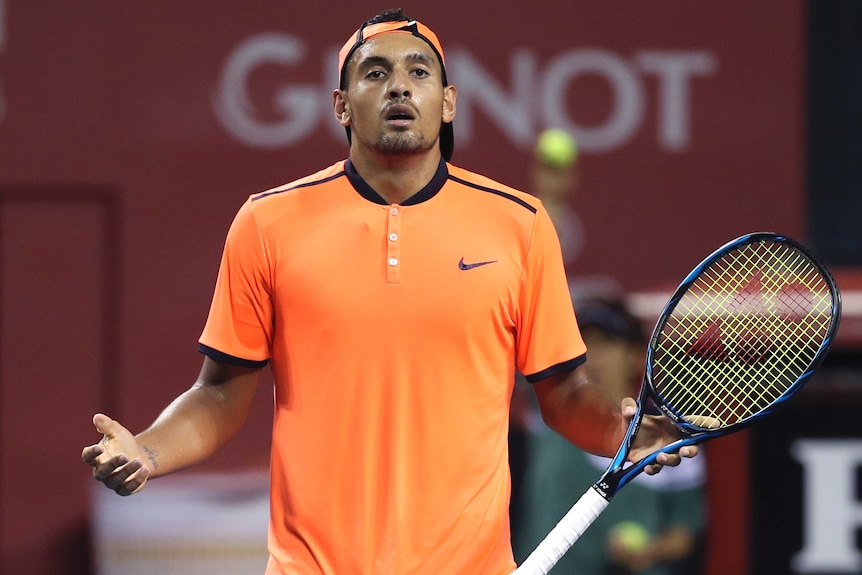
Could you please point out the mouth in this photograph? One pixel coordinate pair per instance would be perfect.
(399, 114)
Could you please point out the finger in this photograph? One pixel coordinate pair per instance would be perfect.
(105, 469)
(628, 407)
(704, 421)
(118, 478)
(652, 469)
(689, 451)
(669, 459)
(135, 482)
(91, 453)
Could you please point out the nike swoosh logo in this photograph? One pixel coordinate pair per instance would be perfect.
(463, 266)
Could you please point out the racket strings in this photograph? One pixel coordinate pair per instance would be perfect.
(754, 395)
(747, 298)
(757, 332)
(735, 342)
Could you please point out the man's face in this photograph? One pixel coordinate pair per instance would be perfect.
(395, 99)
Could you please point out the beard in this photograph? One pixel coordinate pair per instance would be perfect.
(401, 144)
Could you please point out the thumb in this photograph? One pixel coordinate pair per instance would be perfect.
(628, 407)
(105, 425)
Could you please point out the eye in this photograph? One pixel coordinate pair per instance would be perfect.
(375, 74)
(421, 72)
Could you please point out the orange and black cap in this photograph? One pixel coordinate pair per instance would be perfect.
(421, 31)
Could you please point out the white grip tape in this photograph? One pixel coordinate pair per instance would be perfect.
(564, 534)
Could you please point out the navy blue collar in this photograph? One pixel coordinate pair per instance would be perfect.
(425, 194)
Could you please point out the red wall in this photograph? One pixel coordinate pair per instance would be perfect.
(119, 177)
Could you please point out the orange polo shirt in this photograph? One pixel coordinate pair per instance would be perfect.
(393, 333)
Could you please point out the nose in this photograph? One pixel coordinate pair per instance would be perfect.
(399, 86)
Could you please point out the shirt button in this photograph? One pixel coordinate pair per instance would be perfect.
(393, 261)
(393, 211)
(393, 237)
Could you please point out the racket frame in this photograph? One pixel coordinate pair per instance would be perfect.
(617, 475)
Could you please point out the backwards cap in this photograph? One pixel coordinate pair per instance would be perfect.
(371, 29)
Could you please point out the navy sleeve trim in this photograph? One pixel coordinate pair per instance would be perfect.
(221, 357)
(262, 195)
(500, 193)
(555, 369)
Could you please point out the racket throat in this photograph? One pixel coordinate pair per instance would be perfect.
(606, 489)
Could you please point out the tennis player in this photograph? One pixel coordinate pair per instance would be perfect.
(393, 295)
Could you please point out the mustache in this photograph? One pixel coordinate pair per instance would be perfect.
(401, 103)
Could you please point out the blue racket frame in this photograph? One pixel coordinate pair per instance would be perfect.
(617, 475)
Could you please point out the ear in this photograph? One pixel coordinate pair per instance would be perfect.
(450, 95)
(341, 108)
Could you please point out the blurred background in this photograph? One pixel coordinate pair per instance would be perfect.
(130, 133)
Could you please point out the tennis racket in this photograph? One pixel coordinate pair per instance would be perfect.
(740, 335)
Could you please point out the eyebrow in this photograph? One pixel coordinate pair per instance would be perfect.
(370, 61)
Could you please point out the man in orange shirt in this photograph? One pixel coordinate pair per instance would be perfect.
(393, 296)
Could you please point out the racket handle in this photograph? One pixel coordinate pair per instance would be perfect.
(564, 534)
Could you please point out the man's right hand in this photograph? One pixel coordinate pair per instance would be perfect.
(116, 460)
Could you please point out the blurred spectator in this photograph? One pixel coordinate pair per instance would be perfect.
(554, 179)
(653, 526)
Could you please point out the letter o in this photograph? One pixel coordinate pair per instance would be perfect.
(628, 106)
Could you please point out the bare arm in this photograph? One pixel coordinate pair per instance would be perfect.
(189, 430)
(583, 413)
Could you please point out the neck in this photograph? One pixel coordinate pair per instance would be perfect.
(396, 178)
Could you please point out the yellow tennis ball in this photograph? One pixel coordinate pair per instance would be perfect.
(557, 148)
(632, 535)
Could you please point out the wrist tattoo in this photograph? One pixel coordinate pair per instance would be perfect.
(152, 455)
